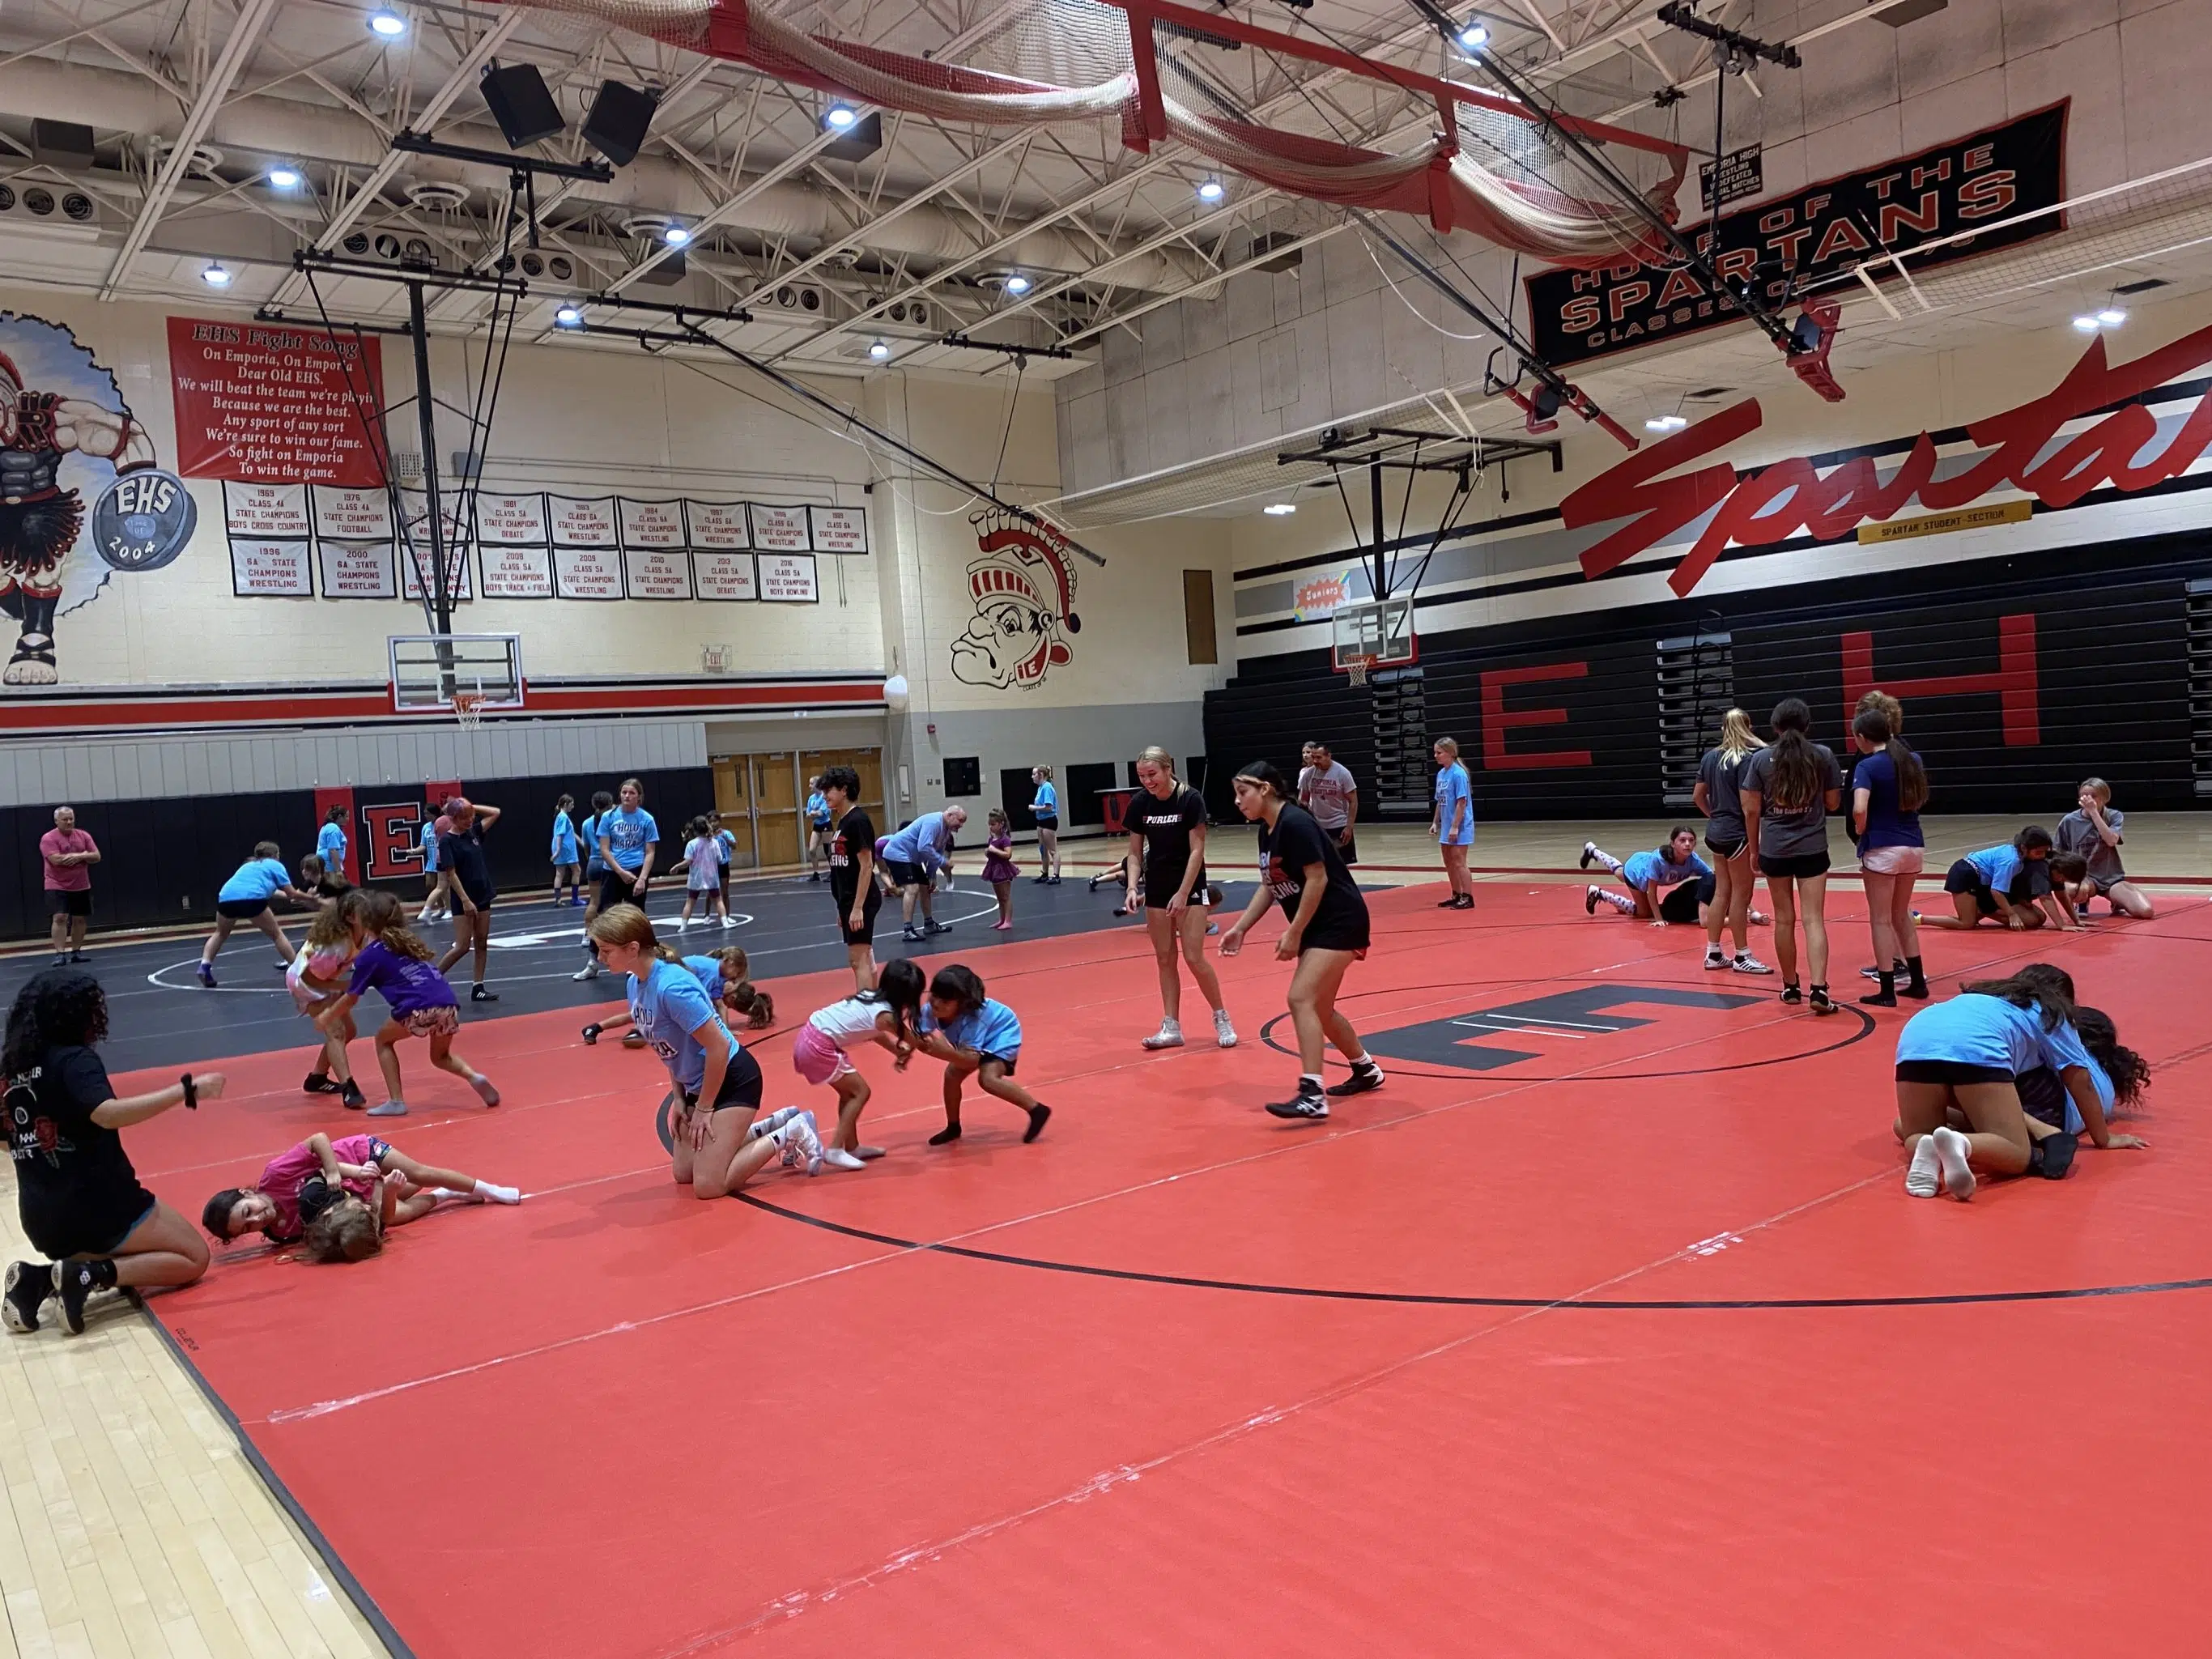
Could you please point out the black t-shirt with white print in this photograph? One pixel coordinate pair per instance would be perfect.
(855, 834)
(1286, 851)
(75, 1189)
(1166, 826)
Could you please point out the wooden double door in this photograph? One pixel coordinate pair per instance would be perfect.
(762, 800)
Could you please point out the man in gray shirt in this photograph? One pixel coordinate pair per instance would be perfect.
(1326, 791)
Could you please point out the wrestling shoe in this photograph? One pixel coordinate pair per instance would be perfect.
(1224, 1033)
(29, 1285)
(74, 1283)
(770, 1122)
(1310, 1105)
(1365, 1075)
(1745, 962)
(1170, 1035)
(1589, 854)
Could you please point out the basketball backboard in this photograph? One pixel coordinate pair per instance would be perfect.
(429, 669)
(1373, 634)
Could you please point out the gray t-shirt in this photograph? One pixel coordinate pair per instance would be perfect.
(1326, 792)
(1791, 834)
(2075, 834)
(1722, 779)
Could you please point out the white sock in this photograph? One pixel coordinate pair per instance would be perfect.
(1951, 1153)
(1600, 856)
(488, 1194)
(1922, 1178)
(1619, 902)
(1308, 1082)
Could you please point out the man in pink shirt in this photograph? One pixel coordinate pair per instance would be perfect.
(68, 854)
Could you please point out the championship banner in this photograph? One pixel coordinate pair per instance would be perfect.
(511, 520)
(782, 530)
(1817, 234)
(352, 515)
(516, 572)
(788, 579)
(269, 569)
(265, 510)
(839, 529)
(653, 573)
(650, 524)
(582, 523)
(256, 400)
(719, 526)
(357, 570)
(726, 575)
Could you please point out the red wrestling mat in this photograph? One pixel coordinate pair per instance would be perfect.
(1607, 1328)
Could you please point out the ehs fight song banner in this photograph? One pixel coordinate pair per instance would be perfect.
(1817, 234)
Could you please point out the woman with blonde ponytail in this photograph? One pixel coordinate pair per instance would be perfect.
(1719, 797)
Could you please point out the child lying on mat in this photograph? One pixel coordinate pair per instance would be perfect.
(320, 1176)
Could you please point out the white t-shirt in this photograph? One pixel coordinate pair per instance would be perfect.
(703, 856)
(1327, 792)
(850, 1021)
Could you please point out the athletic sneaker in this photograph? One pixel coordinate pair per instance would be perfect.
(1170, 1035)
(29, 1285)
(1822, 1002)
(1365, 1075)
(729, 921)
(933, 927)
(589, 970)
(321, 1083)
(1745, 962)
(1309, 1104)
(207, 977)
(1924, 1173)
(477, 993)
(1589, 854)
(1590, 901)
(911, 935)
(351, 1097)
(1715, 958)
(1791, 993)
(1951, 1153)
(1225, 1034)
(1875, 973)
(801, 1143)
(74, 1284)
(838, 1159)
(485, 1092)
(79, 956)
(770, 1124)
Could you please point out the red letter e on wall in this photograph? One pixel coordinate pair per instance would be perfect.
(1498, 720)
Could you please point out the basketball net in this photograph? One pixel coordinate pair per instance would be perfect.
(468, 709)
(1357, 667)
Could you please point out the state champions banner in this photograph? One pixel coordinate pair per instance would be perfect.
(1816, 234)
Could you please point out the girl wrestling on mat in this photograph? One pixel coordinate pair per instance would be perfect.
(299, 1185)
(245, 897)
(1327, 931)
(977, 1036)
(891, 1017)
(720, 1141)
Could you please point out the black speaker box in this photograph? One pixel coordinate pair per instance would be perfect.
(616, 127)
(519, 101)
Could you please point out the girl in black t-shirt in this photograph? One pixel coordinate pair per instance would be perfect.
(853, 886)
(1167, 865)
(1300, 867)
(78, 1196)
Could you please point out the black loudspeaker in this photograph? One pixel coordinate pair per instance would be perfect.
(616, 127)
(519, 101)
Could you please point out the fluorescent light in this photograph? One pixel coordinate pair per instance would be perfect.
(216, 276)
(839, 116)
(2086, 323)
(2112, 317)
(386, 23)
(569, 317)
(1280, 509)
(676, 235)
(1666, 423)
(879, 351)
(1017, 283)
(285, 178)
(1209, 190)
(1473, 37)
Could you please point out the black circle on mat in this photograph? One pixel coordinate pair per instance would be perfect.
(1411, 1298)
(1865, 1030)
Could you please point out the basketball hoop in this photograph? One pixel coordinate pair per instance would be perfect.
(469, 709)
(1356, 667)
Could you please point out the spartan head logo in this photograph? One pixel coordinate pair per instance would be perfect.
(1024, 590)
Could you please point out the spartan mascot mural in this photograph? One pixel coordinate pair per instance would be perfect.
(1024, 591)
(65, 430)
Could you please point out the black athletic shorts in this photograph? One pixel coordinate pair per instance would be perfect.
(483, 900)
(1049, 822)
(1962, 877)
(865, 933)
(1347, 849)
(1724, 846)
(2043, 1095)
(88, 1223)
(1798, 866)
(1951, 1072)
(65, 903)
(240, 909)
(905, 874)
(615, 889)
(1680, 904)
(1159, 895)
(1354, 940)
(741, 1085)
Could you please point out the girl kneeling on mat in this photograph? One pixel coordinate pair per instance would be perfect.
(2010, 881)
(888, 1016)
(398, 965)
(1969, 1054)
(1300, 867)
(1670, 884)
(719, 1140)
(973, 1036)
(299, 1185)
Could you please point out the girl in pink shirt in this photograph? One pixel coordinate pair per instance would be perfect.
(319, 1172)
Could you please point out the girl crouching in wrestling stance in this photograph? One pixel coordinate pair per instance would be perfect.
(719, 1140)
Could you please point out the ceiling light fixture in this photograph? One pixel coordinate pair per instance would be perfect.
(386, 23)
(676, 235)
(2086, 323)
(839, 117)
(214, 276)
(569, 317)
(1280, 509)
(1666, 424)
(1210, 189)
(1017, 283)
(1473, 37)
(880, 351)
(2112, 317)
(285, 178)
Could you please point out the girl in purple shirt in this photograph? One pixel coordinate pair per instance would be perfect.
(398, 967)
